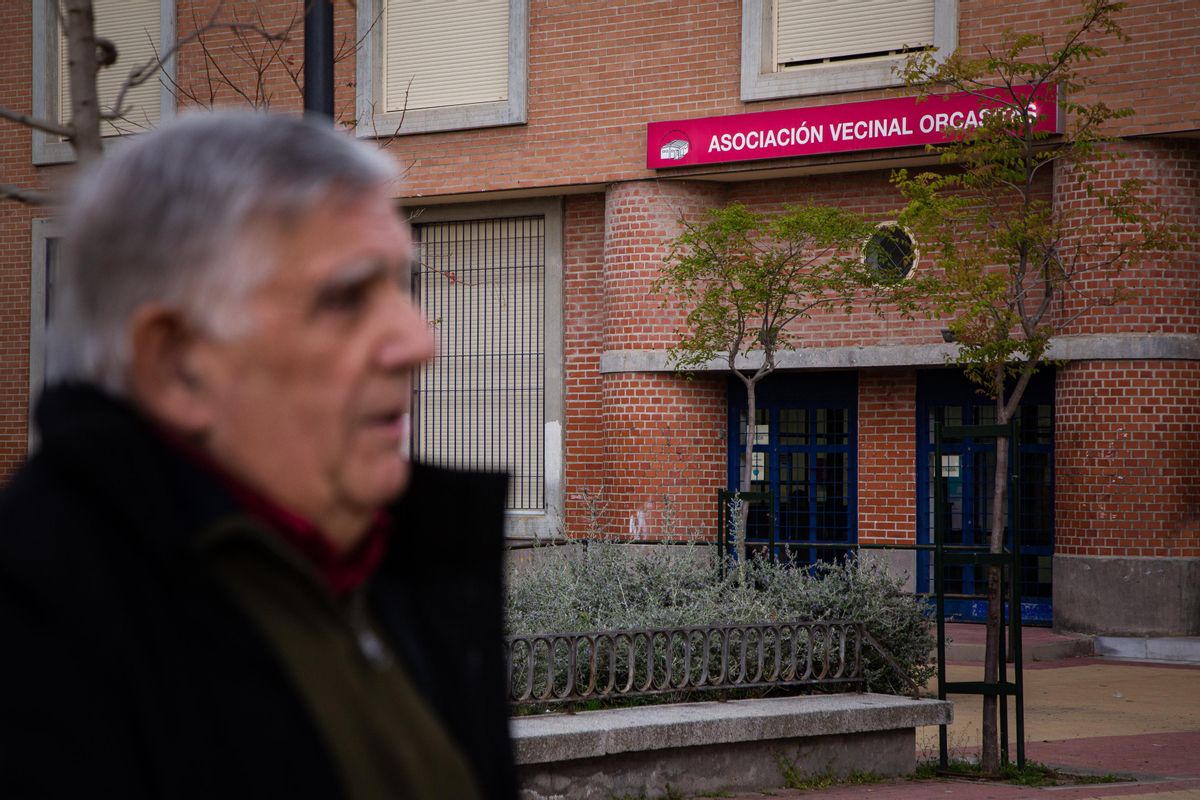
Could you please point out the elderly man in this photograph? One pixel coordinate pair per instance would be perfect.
(220, 576)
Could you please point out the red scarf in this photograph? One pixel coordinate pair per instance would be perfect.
(341, 573)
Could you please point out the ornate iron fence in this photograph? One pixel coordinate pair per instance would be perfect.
(567, 667)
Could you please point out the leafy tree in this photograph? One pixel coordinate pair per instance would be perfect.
(745, 277)
(1014, 271)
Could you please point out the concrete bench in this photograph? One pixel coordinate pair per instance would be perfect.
(738, 745)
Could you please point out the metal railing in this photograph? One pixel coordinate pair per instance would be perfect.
(570, 667)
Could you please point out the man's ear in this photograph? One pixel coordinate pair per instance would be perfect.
(166, 381)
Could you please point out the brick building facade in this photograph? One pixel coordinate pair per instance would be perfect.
(542, 231)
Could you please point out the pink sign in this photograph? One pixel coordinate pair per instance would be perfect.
(877, 124)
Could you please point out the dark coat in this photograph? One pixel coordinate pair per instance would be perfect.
(127, 671)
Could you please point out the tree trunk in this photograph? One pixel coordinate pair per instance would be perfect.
(989, 758)
(81, 59)
(743, 520)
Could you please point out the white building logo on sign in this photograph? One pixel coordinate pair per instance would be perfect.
(675, 148)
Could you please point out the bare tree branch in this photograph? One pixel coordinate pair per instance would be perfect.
(403, 113)
(30, 197)
(141, 74)
(52, 128)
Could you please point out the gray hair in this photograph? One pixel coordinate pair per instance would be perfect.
(178, 216)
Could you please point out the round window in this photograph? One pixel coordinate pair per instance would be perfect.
(890, 252)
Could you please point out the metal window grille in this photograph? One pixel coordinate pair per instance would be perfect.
(480, 403)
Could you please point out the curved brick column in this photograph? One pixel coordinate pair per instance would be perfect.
(1127, 435)
(664, 447)
(1127, 497)
(1162, 290)
(640, 217)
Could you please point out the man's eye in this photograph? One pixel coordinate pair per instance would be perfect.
(343, 299)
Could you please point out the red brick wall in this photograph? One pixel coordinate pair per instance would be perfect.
(640, 217)
(240, 66)
(887, 456)
(583, 333)
(1127, 439)
(1148, 73)
(15, 235)
(643, 215)
(867, 193)
(664, 447)
(599, 71)
(1162, 290)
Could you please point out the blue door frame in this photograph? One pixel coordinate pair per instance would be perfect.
(968, 468)
(807, 436)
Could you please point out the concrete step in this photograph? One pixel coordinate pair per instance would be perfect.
(965, 643)
(1172, 649)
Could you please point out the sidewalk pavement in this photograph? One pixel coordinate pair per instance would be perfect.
(1083, 716)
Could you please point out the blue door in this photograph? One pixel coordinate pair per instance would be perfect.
(968, 469)
(805, 444)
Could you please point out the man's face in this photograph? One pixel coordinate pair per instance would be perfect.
(310, 405)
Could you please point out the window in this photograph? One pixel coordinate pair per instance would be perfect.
(802, 47)
(431, 65)
(968, 474)
(890, 252)
(805, 456)
(490, 284)
(141, 30)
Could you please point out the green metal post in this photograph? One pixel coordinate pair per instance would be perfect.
(1014, 606)
(939, 538)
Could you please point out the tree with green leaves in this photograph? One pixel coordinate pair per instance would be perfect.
(744, 278)
(1013, 270)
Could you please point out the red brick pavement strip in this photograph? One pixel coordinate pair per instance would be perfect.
(1160, 762)
(1174, 755)
(1083, 661)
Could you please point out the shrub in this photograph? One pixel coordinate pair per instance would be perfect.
(603, 584)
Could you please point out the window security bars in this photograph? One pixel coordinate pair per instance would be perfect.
(566, 667)
(480, 403)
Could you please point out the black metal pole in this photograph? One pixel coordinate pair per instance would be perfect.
(939, 585)
(318, 57)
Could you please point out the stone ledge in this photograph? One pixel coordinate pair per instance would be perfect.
(591, 734)
(1177, 649)
(1090, 347)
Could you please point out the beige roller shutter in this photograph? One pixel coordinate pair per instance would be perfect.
(134, 27)
(444, 52)
(814, 30)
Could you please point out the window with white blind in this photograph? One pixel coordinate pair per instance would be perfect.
(135, 27)
(141, 30)
(492, 397)
(803, 47)
(428, 65)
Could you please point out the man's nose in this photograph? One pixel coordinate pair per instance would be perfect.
(410, 340)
